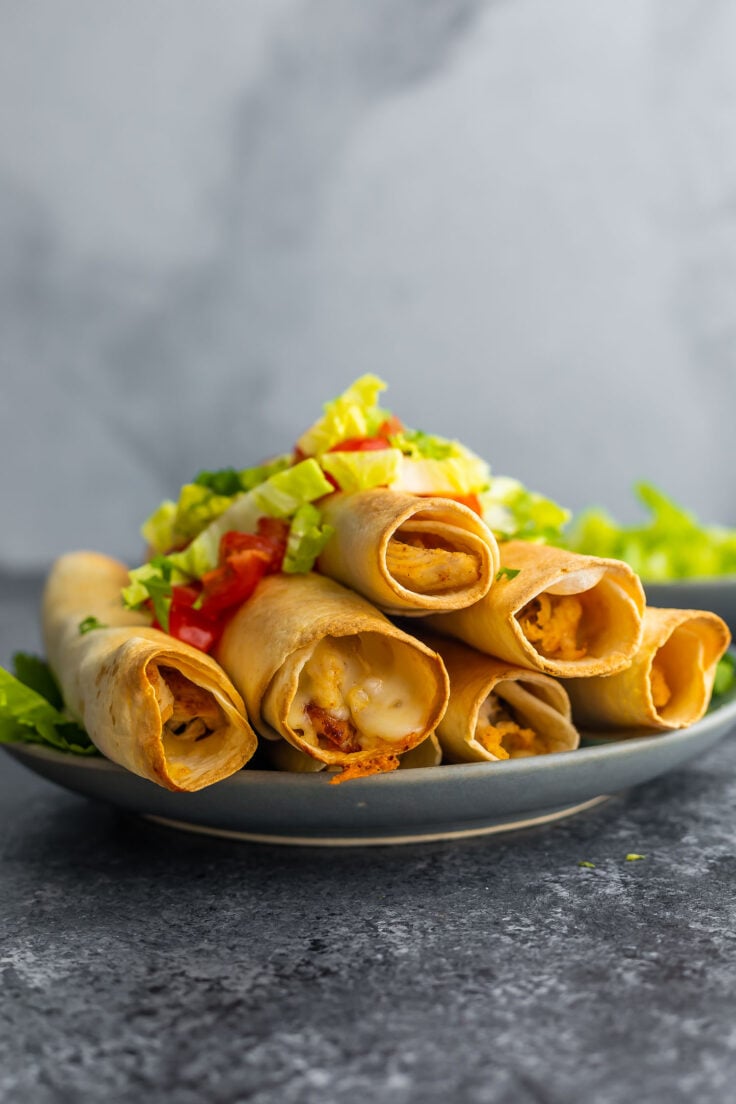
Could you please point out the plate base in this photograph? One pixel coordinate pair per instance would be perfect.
(377, 841)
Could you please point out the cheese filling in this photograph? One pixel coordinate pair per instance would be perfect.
(552, 623)
(358, 693)
(500, 732)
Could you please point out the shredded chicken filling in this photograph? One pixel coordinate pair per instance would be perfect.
(552, 623)
(188, 711)
(429, 569)
(499, 731)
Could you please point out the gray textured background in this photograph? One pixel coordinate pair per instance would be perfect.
(521, 214)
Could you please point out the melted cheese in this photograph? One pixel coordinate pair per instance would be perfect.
(360, 680)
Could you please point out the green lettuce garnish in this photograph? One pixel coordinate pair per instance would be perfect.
(32, 711)
(200, 502)
(671, 544)
(354, 413)
(513, 512)
(725, 679)
(281, 495)
(307, 537)
(359, 471)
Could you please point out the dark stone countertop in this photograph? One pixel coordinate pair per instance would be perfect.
(139, 963)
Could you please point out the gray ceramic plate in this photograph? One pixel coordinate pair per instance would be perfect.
(717, 595)
(407, 806)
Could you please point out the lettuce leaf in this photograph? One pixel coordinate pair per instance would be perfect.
(359, 471)
(513, 512)
(281, 495)
(31, 709)
(307, 537)
(354, 413)
(203, 500)
(670, 544)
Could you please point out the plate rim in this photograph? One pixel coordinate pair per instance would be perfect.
(460, 799)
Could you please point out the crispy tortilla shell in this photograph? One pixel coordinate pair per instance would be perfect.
(281, 755)
(535, 703)
(669, 682)
(408, 554)
(156, 706)
(297, 630)
(598, 602)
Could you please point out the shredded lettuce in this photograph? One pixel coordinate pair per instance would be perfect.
(725, 679)
(359, 471)
(32, 712)
(200, 502)
(281, 495)
(671, 544)
(513, 512)
(354, 413)
(454, 475)
(307, 537)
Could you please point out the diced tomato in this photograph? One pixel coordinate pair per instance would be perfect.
(200, 610)
(390, 427)
(270, 540)
(193, 628)
(233, 582)
(187, 623)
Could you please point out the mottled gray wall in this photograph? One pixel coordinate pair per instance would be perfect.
(521, 213)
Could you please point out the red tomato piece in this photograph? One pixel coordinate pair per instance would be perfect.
(233, 582)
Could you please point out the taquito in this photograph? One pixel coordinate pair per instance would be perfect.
(151, 703)
(559, 612)
(408, 554)
(498, 710)
(669, 682)
(320, 667)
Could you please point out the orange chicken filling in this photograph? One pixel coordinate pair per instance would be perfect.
(428, 569)
(498, 731)
(551, 623)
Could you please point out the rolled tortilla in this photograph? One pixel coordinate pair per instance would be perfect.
(498, 710)
(162, 709)
(558, 612)
(669, 682)
(281, 755)
(321, 668)
(408, 554)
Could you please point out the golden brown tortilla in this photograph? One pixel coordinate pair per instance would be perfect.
(282, 755)
(408, 554)
(558, 612)
(669, 682)
(498, 710)
(321, 668)
(162, 709)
